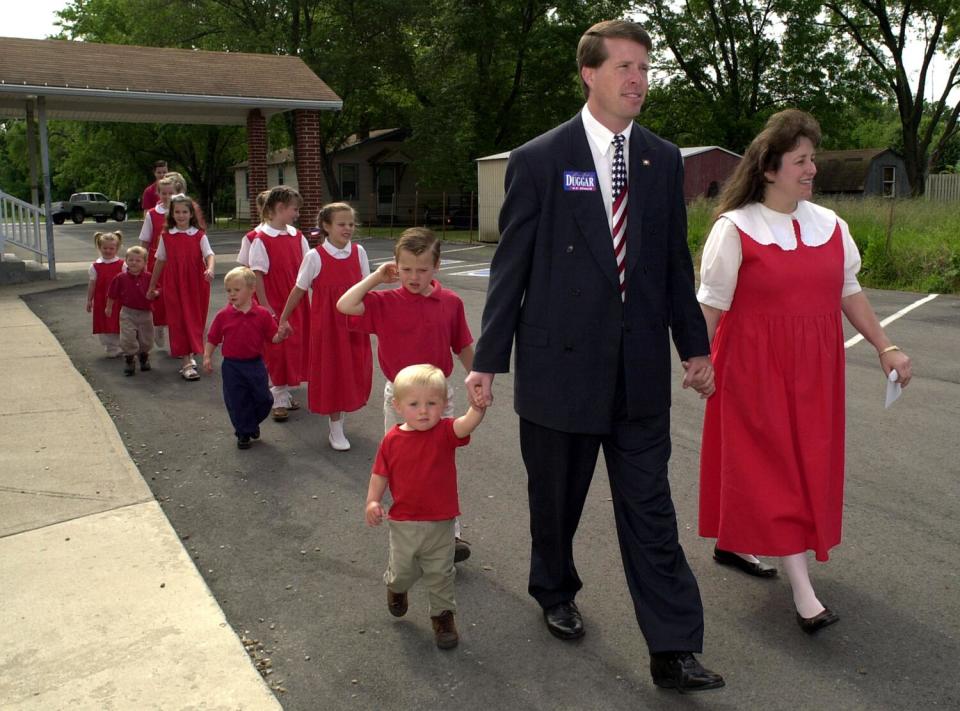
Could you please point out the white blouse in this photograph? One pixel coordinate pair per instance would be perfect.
(310, 267)
(205, 249)
(100, 260)
(259, 259)
(146, 232)
(722, 254)
(243, 257)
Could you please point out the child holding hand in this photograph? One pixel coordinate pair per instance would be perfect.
(129, 289)
(244, 328)
(185, 256)
(417, 461)
(101, 273)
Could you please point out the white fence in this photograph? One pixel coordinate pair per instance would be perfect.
(943, 186)
(20, 226)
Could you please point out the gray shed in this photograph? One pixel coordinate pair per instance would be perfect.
(491, 171)
(861, 172)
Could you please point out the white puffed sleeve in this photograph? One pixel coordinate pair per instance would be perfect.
(364, 261)
(720, 265)
(309, 270)
(259, 259)
(851, 261)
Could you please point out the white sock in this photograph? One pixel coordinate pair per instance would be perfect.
(804, 597)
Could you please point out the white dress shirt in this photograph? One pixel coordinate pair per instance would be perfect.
(146, 232)
(600, 139)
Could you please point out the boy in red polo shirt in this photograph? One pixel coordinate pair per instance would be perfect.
(129, 288)
(417, 460)
(418, 323)
(244, 328)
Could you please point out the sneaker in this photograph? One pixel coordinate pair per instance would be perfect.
(396, 603)
(144, 362)
(461, 550)
(129, 368)
(294, 405)
(445, 630)
(243, 441)
(339, 441)
(279, 414)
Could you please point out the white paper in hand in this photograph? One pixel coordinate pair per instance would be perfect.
(893, 388)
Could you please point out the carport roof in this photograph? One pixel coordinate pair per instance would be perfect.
(106, 82)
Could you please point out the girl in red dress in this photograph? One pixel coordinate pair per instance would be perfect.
(340, 371)
(185, 258)
(101, 273)
(154, 222)
(777, 272)
(276, 251)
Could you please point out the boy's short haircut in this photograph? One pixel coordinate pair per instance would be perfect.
(418, 240)
(137, 249)
(101, 237)
(244, 273)
(418, 376)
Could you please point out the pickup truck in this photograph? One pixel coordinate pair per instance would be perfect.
(83, 205)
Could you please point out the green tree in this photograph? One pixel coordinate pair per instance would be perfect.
(882, 30)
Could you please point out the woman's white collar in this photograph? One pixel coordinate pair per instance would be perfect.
(765, 226)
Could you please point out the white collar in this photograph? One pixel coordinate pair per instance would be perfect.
(189, 231)
(334, 251)
(766, 226)
(161, 210)
(101, 260)
(600, 135)
(274, 232)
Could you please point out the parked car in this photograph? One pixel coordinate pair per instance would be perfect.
(83, 205)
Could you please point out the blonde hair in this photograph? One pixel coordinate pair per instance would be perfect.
(325, 216)
(175, 180)
(281, 194)
(261, 201)
(101, 237)
(136, 249)
(418, 240)
(244, 273)
(422, 375)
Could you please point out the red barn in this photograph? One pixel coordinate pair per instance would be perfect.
(705, 168)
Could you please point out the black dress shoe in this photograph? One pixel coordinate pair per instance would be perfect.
(813, 624)
(682, 671)
(563, 620)
(758, 569)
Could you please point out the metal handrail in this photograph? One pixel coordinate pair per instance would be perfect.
(20, 226)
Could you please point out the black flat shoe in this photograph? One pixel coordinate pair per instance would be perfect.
(564, 620)
(682, 671)
(810, 625)
(758, 569)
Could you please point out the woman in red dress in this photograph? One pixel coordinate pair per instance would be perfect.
(186, 261)
(340, 373)
(276, 251)
(777, 272)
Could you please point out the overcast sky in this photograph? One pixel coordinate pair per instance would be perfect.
(35, 18)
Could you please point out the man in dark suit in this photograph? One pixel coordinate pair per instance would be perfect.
(592, 275)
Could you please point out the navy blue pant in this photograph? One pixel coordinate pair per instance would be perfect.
(560, 465)
(246, 393)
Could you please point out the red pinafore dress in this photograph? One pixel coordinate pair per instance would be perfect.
(287, 361)
(186, 290)
(771, 467)
(341, 361)
(158, 222)
(105, 274)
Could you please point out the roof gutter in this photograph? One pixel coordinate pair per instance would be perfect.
(207, 99)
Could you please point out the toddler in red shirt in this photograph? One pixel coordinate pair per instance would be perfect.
(417, 460)
(129, 289)
(244, 328)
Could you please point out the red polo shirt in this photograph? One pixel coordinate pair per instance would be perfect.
(243, 334)
(130, 290)
(414, 329)
(421, 471)
(149, 198)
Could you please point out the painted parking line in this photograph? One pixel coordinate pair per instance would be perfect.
(483, 273)
(444, 263)
(893, 317)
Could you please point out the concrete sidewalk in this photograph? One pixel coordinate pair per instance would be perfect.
(102, 606)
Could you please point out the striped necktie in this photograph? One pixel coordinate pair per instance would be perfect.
(618, 182)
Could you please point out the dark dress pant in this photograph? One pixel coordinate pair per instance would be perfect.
(246, 393)
(560, 466)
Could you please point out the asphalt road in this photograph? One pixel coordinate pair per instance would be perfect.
(278, 534)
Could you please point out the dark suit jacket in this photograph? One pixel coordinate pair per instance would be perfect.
(554, 285)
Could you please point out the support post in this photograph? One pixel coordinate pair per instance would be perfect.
(45, 167)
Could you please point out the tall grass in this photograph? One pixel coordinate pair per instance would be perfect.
(905, 244)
